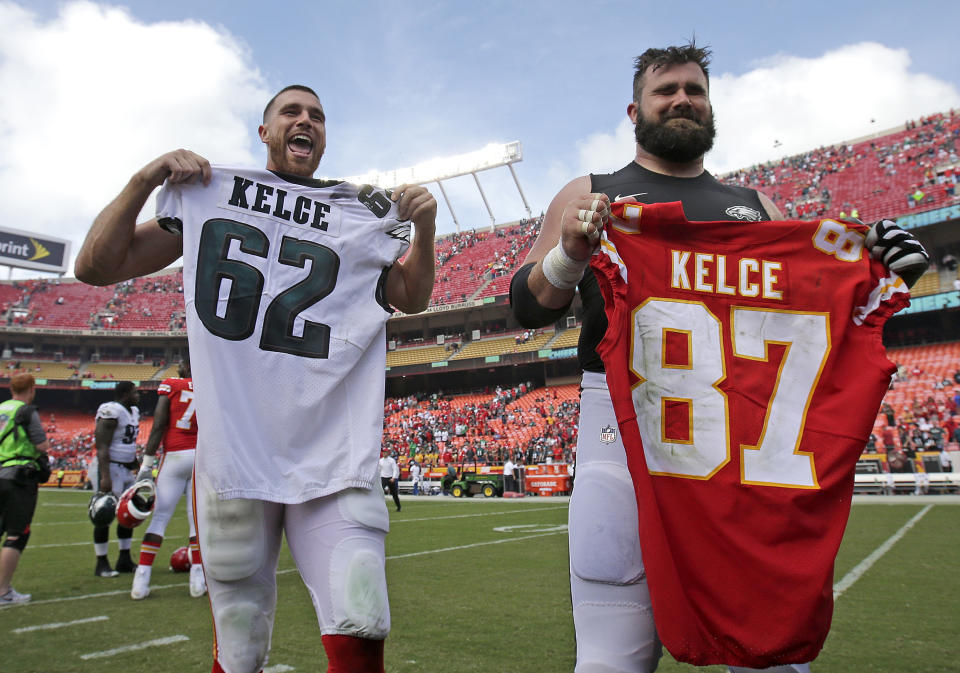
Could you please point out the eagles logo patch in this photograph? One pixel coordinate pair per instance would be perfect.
(743, 213)
(608, 434)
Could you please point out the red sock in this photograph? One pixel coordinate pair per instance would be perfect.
(349, 654)
(148, 552)
(194, 552)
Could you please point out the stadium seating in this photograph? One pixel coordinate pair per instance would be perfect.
(42, 369)
(121, 371)
(566, 339)
(417, 356)
(874, 175)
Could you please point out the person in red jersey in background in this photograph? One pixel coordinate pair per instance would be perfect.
(175, 427)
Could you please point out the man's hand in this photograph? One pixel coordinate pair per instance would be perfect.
(581, 222)
(416, 204)
(106, 483)
(898, 250)
(146, 468)
(177, 166)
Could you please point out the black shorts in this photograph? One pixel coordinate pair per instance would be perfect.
(17, 504)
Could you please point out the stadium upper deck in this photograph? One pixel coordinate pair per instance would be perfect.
(911, 169)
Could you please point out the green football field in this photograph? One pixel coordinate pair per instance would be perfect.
(475, 585)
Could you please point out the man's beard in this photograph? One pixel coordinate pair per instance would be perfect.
(676, 144)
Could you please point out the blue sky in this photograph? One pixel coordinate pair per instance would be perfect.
(103, 91)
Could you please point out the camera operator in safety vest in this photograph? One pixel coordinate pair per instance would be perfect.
(23, 465)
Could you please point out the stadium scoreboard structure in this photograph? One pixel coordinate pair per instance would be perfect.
(25, 250)
(493, 155)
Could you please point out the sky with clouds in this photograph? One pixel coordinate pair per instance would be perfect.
(93, 91)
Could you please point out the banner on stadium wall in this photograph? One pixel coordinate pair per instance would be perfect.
(26, 250)
(928, 218)
(931, 302)
(71, 479)
(102, 385)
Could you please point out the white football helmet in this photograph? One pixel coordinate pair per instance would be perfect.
(136, 503)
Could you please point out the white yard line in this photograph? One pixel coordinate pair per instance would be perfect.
(157, 642)
(279, 668)
(59, 625)
(55, 545)
(399, 517)
(851, 577)
(471, 546)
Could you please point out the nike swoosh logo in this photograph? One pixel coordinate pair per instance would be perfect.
(630, 196)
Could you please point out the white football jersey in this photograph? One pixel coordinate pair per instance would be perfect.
(283, 286)
(123, 446)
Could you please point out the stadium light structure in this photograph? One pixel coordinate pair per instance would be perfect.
(437, 170)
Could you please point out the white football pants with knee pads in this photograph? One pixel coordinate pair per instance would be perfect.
(612, 611)
(337, 543)
(121, 477)
(173, 480)
(612, 615)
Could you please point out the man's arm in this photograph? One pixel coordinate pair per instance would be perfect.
(36, 433)
(410, 283)
(116, 248)
(770, 207)
(161, 418)
(102, 436)
(564, 224)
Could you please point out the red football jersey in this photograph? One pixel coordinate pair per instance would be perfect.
(181, 432)
(745, 364)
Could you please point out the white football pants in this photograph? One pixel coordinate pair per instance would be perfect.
(337, 542)
(173, 480)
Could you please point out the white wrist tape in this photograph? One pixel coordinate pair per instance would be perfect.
(148, 461)
(561, 270)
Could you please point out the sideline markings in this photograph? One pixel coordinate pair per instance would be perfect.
(475, 544)
(858, 571)
(59, 625)
(54, 545)
(398, 519)
(169, 640)
(279, 668)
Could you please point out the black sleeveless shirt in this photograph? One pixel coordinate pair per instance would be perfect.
(703, 198)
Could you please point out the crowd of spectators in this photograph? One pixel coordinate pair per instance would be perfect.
(923, 156)
(924, 425)
(438, 430)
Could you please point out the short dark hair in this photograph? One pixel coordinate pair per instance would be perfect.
(123, 389)
(292, 87)
(658, 58)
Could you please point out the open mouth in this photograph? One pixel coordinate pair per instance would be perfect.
(300, 145)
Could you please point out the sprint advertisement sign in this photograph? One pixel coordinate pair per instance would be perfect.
(26, 250)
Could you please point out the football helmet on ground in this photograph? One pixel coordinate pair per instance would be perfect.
(102, 508)
(180, 560)
(136, 503)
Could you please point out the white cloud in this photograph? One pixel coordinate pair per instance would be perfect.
(801, 102)
(93, 94)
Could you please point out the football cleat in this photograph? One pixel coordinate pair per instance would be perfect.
(103, 568)
(125, 564)
(136, 503)
(102, 508)
(198, 584)
(141, 583)
(180, 560)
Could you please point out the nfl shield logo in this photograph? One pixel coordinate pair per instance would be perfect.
(608, 434)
